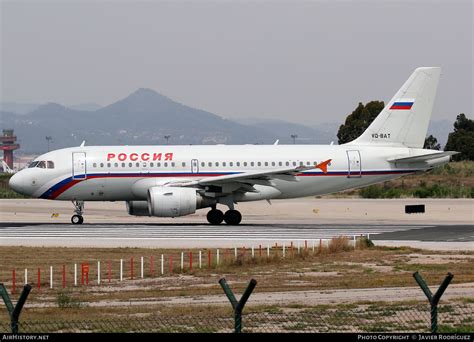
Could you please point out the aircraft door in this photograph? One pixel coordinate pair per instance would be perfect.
(194, 166)
(355, 165)
(79, 165)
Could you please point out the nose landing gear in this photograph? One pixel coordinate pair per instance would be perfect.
(78, 209)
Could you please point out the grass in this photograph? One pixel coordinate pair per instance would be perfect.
(274, 274)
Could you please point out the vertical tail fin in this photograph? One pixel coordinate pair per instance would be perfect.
(405, 118)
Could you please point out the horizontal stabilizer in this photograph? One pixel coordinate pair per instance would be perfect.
(423, 158)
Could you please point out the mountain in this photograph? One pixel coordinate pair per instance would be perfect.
(18, 108)
(146, 117)
(143, 117)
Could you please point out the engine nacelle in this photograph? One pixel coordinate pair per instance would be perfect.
(138, 208)
(173, 201)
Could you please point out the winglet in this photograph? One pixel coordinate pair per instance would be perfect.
(324, 165)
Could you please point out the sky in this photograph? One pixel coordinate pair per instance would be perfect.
(302, 61)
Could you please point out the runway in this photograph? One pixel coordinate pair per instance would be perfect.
(200, 235)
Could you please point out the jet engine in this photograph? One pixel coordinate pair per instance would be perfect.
(138, 208)
(175, 201)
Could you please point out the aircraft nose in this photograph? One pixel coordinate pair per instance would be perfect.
(17, 183)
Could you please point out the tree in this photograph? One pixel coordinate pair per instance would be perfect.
(431, 143)
(462, 138)
(358, 121)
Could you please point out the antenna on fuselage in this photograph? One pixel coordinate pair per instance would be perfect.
(276, 142)
(83, 143)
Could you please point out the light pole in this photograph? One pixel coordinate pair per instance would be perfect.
(294, 136)
(167, 137)
(49, 139)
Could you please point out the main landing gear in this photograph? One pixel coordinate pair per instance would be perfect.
(78, 209)
(231, 217)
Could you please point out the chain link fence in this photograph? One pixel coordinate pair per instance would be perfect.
(362, 318)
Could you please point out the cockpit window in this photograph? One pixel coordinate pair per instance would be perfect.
(50, 164)
(33, 164)
(41, 164)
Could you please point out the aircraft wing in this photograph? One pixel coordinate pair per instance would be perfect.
(257, 177)
(423, 158)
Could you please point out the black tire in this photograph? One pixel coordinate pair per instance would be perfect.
(77, 219)
(232, 217)
(215, 216)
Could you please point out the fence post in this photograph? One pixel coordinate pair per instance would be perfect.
(121, 269)
(238, 306)
(39, 278)
(200, 259)
(217, 257)
(162, 264)
(75, 274)
(98, 272)
(14, 311)
(141, 267)
(50, 277)
(433, 299)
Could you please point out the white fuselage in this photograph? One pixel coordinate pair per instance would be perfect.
(125, 173)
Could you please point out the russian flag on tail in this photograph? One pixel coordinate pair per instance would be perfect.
(402, 104)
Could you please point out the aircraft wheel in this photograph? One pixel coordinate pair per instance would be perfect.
(215, 216)
(232, 217)
(77, 219)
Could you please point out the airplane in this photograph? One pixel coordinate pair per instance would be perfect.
(172, 181)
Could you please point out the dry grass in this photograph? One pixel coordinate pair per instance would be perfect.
(361, 268)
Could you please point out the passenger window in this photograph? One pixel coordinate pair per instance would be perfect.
(245, 163)
(137, 164)
(158, 164)
(151, 164)
(101, 164)
(144, 164)
(231, 163)
(259, 164)
(130, 164)
(123, 164)
(287, 163)
(203, 164)
(183, 164)
(116, 164)
(108, 165)
(94, 165)
(165, 164)
(308, 163)
(223, 164)
(252, 163)
(301, 164)
(50, 164)
(217, 164)
(210, 164)
(280, 163)
(273, 163)
(238, 163)
(294, 163)
(266, 163)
